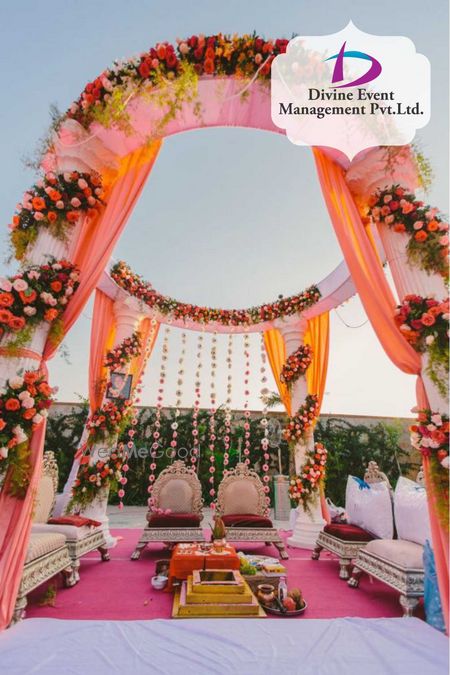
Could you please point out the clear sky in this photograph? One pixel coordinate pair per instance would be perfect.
(229, 217)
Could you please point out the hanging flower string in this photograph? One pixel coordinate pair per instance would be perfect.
(197, 393)
(264, 422)
(178, 394)
(246, 403)
(212, 420)
(227, 419)
(159, 405)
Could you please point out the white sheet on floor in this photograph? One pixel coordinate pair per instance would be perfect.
(219, 646)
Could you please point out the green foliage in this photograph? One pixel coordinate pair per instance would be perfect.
(63, 435)
(352, 446)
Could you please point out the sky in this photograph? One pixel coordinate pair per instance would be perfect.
(229, 217)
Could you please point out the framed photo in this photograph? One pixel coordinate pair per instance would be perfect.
(119, 386)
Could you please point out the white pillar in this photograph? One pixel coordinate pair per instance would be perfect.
(411, 280)
(128, 316)
(308, 523)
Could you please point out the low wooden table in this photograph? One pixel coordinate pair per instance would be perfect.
(189, 557)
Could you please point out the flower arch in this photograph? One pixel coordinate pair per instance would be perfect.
(99, 156)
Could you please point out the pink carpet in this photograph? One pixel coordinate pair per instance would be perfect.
(120, 588)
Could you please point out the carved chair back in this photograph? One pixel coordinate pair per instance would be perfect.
(46, 489)
(241, 492)
(373, 474)
(178, 488)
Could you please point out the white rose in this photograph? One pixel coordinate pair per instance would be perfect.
(24, 394)
(437, 420)
(28, 403)
(29, 311)
(37, 419)
(445, 462)
(16, 382)
(429, 339)
(4, 452)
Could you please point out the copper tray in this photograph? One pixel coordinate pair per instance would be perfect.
(271, 609)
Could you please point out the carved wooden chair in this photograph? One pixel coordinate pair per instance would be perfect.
(176, 513)
(81, 536)
(396, 562)
(346, 540)
(241, 503)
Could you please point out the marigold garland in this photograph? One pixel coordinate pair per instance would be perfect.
(303, 488)
(54, 202)
(428, 232)
(136, 286)
(303, 420)
(296, 365)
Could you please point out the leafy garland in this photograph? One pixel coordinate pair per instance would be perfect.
(54, 202)
(136, 286)
(121, 355)
(424, 322)
(302, 421)
(39, 293)
(430, 435)
(428, 243)
(296, 365)
(24, 404)
(303, 488)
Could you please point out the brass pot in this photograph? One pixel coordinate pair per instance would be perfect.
(265, 593)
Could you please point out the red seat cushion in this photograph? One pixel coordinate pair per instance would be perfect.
(246, 520)
(77, 521)
(174, 520)
(347, 532)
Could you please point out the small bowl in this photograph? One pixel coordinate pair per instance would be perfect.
(159, 582)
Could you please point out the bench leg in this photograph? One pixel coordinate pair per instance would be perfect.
(69, 576)
(141, 545)
(282, 549)
(353, 582)
(408, 605)
(344, 564)
(104, 553)
(19, 609)
(315, 555)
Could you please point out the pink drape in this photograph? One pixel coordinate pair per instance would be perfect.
(102, 333)
(378, 300)
(15, 525)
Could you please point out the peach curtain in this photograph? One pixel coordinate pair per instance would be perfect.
(98, 238)
(102, 336)
(318, 337)
(149, 334)
(276, 353)
(378, 300)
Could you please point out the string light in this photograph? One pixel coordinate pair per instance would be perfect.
(178, 394)
(197, 393)
(212, 420)
(159, 404)
(265, 422)
(246, 402)
(227, 436)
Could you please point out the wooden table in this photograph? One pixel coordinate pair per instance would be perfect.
(189, 557)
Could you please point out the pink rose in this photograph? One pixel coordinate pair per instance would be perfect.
(418, 224)
(20, 285)
(443, 240)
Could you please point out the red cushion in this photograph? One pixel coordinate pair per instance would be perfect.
(246, 520)
(173, 520)
(347, 532)
(77, 521)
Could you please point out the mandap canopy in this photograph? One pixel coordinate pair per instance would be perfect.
(99, 156)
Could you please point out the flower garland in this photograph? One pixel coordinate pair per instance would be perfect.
(428, 243)
(264, 423)
(228, 402)
(296, 365)
(424, 322)
(246, 403)
(303, 488)
(430, 435)
(54, 202)
(178, 394)
(136, 286)
(212, 421)
(159, 405)
(39, 293)
(215, 55)
(126, 351)
(24, 404)
(196, 408)
(302, 421)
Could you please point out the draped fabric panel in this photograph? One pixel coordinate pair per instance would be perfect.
(318, 337)
(149, 334)
(276, 353)
(102, 338)
(378, 300)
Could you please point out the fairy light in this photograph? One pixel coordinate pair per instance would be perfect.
(197, 393)
(246, 450)
(212, 420)
(265, 422)
(178, 394)
(227, 436)
(159, 404)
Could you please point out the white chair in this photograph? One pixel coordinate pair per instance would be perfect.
(176, 513)
(80, 540)
(241, 503)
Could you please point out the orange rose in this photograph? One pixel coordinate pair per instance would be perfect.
(56, 286)
(72, 216)
(44, 389)
(16, 221)
(51, 217)
(399, 227)
(12, 404)
(16, 323)
(420, 235)
(51, 314)
(29, 414)
(5, 316)
(2, 425)
(208, 66)
(30, 377)
(38, 203)
(55, 196)
(6, 299)
(432, 226)
(31, 389)
(28, 296)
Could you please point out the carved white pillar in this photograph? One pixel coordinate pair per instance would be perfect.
(410, 280)
(128, 316)
(308, 523)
